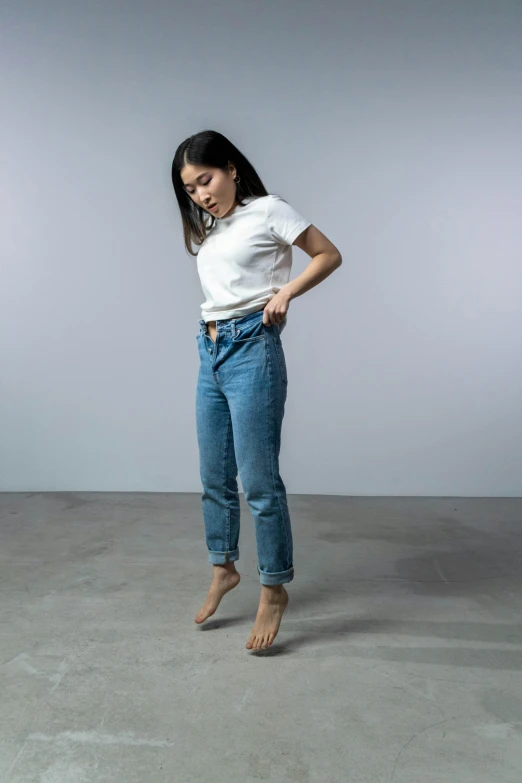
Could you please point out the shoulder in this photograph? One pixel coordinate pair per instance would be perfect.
(275, 204)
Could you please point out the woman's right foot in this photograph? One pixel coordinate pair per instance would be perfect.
(225, 578)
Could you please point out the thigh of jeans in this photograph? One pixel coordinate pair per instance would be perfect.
(254, 381)
(244, 384)
(213, 421)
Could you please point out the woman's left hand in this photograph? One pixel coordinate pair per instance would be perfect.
(276, 309)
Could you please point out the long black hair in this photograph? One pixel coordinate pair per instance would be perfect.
(210, 148)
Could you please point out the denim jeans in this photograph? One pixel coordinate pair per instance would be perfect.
(240, 401)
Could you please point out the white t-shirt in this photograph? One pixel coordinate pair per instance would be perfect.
(246, 257)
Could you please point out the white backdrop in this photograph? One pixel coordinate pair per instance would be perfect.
(395, 127)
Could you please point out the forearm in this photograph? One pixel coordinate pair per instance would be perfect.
(320, 267)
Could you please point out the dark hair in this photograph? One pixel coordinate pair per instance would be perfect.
(209, 148)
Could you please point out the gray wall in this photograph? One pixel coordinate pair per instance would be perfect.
(394, 126)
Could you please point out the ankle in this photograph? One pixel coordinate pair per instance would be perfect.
(272, 589)
(225, 568)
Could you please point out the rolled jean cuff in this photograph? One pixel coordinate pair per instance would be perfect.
(275, 578)
(221, 558)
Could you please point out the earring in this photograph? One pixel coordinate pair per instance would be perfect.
(237, 179)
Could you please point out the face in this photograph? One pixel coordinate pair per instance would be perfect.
(207, 185)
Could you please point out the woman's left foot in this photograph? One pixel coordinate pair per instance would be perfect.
(272, 604)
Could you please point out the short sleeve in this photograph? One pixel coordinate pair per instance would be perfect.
(284, 222)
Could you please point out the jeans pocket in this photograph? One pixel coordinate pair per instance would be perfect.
(250, 331)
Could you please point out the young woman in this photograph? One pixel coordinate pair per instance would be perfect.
(245, 237)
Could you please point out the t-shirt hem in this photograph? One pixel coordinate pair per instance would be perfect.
(221, 315)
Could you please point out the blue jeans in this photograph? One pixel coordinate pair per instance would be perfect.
(240, 402)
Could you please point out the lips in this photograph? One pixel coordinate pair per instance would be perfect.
(212, 206)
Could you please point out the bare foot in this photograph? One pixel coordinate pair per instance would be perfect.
(272, 604)
(225, 578)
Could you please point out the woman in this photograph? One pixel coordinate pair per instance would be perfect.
(244, 262)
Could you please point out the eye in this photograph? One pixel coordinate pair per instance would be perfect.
(203, 183)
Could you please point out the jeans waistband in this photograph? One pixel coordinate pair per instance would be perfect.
(228, 322)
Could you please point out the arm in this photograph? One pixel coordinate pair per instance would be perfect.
(325, 259)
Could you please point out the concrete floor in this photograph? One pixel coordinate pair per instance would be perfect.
(398, 660)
